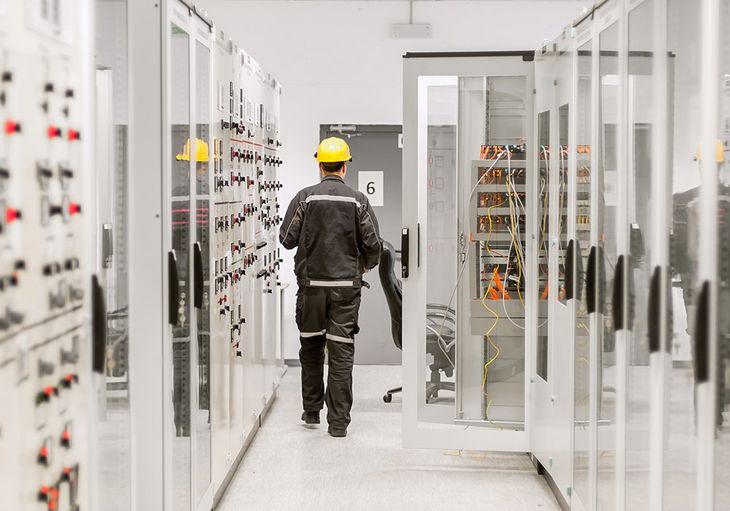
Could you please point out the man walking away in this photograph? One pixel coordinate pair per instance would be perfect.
(337, 239)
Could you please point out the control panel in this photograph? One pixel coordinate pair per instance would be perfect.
(246, 256)
(44, 334)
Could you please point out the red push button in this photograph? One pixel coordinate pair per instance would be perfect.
(11, 127)
(45, 395)
(49, 494)
(74, 208)
(54, 131)
(43, 455)
(11, 215)
(69, 380)
(66, 438)
(73, 135)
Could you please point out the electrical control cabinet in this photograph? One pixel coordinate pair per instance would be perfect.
(609, 219)
(245, 249)
(473, 284)
(45, 339)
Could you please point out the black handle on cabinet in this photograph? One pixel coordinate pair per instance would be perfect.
(702, 335)
(617, 296)
(404, 247)
(591, 281)
(173, 288)
(654, 311)
(569, 271)
(98, 326)
(579, 271)
(198, 275)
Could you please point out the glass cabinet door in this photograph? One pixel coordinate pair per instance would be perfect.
(181, 236)
(582, 356)
(114, 436)
(493, 169)
(680, 454)
(466, 259)
(604, 262)
(641, 204)
(201, 251)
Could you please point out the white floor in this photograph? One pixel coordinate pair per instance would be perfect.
(291, 467)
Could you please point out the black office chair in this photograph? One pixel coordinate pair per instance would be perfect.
(440, 328)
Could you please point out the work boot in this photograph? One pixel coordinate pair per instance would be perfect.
(310, 418)
(337, 433)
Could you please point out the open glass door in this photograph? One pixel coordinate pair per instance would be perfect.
(542, 392)
(467, 253)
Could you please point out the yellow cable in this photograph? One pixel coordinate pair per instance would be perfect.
(513, 219)
(496, 317)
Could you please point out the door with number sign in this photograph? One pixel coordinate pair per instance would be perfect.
(375, 170)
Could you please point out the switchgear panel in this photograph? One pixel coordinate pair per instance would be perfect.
(245, 252)
(44, 335)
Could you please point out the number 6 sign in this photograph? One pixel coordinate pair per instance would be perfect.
(371, 184)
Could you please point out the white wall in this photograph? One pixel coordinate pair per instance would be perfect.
(338, 63)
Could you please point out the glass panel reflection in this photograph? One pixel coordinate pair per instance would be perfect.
(441, 247)
(606, 261)
(722, 443)
(113, 428)
(182, 148)
(543, 160)
(640, 204)
(680, 458)
(202, 231)
(562, 234)
(583, 239)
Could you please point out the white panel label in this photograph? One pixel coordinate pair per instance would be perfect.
(371, 184)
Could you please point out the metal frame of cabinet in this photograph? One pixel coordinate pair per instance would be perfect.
(465, 423)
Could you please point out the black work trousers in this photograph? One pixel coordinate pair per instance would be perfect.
(327, 316)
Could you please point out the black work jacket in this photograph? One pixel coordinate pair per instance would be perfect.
(336, 233)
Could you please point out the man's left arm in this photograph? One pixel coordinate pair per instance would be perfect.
(369, 236)
(292, 224)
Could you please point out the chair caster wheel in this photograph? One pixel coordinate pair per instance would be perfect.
(388, 398)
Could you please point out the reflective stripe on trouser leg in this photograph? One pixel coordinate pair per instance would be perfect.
(339, 384)
(305, 335)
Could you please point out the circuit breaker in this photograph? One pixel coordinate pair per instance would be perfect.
(44, 281)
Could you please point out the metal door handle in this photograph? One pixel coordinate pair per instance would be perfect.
(654, 311)
(404, 247)
(198, 275)
(591, 281)
(617, 296)
(702, 335)
(173, 288)
(569, 271)
(98, 326)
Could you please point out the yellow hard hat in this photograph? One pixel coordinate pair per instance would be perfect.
(333, 150)
(201, 151)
